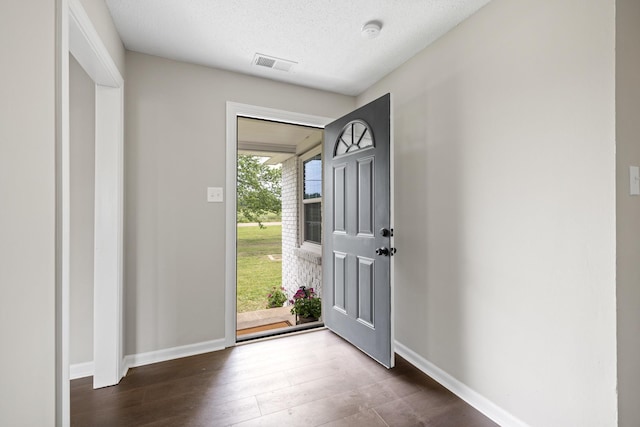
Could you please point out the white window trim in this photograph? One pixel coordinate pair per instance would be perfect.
(304, 245)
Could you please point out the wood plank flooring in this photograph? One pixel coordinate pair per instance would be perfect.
(310, 379)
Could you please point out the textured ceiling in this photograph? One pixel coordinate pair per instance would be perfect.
(322, 37)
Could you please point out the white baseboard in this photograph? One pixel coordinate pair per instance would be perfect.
(80, 370)
(473, 398)
(141, 359)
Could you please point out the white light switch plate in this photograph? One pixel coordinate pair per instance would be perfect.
(214, 194)
(634, 180)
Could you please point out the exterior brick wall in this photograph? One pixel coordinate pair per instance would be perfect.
(290, 225)
(299, 267)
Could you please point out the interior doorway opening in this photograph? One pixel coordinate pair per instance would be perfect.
(278, 227)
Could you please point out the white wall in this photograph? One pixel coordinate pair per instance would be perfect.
(175, 116)
(505, 207)
(82, 157)
(628, 209)
(27, 208)
(100, 16)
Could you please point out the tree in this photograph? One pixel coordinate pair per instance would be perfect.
(259, 188)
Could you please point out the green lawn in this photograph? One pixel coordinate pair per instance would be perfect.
(270, 217)
(256, 273)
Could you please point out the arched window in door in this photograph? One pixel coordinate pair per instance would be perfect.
(356, 135)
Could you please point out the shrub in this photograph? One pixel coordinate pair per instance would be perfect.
(276, 298)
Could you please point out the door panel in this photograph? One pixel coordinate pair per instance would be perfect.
(339, 196)
(366, 290)
(365, 197)
(357, 281)
(339, 279)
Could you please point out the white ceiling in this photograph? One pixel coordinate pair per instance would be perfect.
(322, 37)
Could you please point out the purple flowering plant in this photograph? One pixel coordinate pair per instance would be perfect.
(306, 303)
(276, 297)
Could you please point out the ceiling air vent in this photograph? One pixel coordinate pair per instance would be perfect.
(272, 62)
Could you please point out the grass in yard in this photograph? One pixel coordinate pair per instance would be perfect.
(269, 217)
(256, 273)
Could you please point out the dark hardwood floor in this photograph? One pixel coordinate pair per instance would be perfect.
(309, 379)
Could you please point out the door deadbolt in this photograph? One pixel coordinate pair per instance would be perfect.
(385, 232)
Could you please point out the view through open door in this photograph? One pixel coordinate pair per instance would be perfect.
(357, 229)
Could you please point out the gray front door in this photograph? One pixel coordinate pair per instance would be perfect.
(357, 243)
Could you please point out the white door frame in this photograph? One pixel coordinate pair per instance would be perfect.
(235, 110)
(77, 35)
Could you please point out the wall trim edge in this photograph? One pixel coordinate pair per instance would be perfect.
(147, 358)
(464, 392)
(81, 370)
(86, 369)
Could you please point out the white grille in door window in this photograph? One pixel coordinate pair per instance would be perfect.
(356, 135)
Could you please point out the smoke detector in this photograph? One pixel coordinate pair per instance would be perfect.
(371, 29)
(266, 61)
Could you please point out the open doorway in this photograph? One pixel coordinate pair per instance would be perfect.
(279, 227)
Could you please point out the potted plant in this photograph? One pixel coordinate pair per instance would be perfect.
(307, 306)
(276, 298)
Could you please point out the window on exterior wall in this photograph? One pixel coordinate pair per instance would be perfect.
(311, 212)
